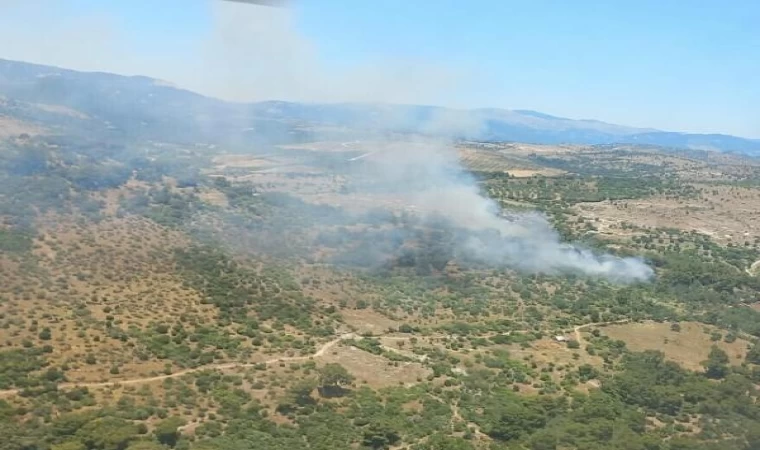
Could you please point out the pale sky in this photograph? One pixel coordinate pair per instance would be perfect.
(674, 65)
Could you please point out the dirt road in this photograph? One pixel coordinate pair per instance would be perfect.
(227, 366)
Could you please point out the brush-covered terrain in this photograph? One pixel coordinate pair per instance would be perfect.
(156, 294)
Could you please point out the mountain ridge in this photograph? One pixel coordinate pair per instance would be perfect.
(145, 107)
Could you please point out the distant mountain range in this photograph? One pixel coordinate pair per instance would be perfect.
(145, 108)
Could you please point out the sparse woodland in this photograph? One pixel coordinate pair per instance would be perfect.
(145, 304)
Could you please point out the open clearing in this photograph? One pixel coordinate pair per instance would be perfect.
(548, 351)
(725, 214)
(375, 370)
(368, 321)
(688, 347)
(500, 161)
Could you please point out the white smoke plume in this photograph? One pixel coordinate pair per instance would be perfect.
(438, 184)
(426, 173)
(258, 53)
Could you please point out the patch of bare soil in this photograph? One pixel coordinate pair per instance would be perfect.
(375, 371)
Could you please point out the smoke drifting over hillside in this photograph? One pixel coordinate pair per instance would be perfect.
(428, 173)
(430, 176)
(255, 52)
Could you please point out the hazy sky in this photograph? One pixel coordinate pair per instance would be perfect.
(670, 64)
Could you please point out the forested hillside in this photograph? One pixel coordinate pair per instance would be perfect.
(167, 294)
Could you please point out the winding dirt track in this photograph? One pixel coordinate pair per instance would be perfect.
(227, 366)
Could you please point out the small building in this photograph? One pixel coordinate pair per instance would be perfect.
(560, 338)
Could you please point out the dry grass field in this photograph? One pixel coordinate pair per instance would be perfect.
(501, 161)
(548, 351)
(376, 371)
(368, 321)
(726, 214)
(688, 347)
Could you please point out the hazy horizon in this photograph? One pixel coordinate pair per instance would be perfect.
(585, 61)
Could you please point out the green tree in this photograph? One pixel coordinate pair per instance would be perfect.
(514, 421)
(69, 445)
(752, 435)
(145, 445)
(716, 365)
(380, 435)
(753, 355)
(167, 432)
(108, 433)
(298, 396)
(300, 393)
(68, 424)
(443, 442)
(333, 378)
(45, 334)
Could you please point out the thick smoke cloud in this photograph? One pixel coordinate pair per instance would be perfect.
(435, 183)
(427, 173)
(258, 53)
